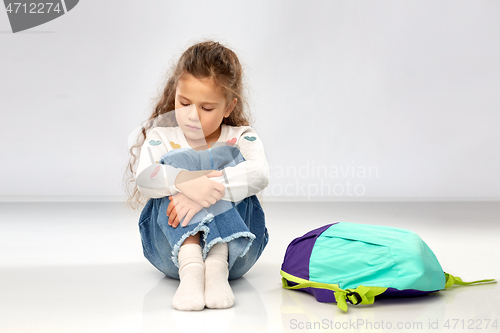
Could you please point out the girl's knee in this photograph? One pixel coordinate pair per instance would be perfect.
(184, 158)
(228, 155)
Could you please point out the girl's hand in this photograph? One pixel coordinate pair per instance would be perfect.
(180, 207)
(199, 187)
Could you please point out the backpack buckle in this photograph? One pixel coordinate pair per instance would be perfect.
(358, 297)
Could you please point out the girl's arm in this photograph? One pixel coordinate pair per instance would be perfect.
(199, 187)
(155, 180)
(250, 176)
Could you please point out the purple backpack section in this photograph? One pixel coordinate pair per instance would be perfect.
(299, 251)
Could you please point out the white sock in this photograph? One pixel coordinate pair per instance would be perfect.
(218, 292)
(190, 293)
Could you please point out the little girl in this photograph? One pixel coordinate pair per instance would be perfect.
(201, 165)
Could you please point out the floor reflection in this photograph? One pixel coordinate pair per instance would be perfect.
(248, 314)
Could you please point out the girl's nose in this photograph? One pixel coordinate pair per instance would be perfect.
(193, 113)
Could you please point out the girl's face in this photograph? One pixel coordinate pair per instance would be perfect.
(201, 121)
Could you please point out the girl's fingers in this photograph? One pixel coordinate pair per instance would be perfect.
(172, 218)
(170, 207)
(213, 199)
(220, 187)
(214, 173)
(216, 195)
(188, 217)
(181, 213)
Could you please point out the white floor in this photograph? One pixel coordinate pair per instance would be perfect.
(79, 267)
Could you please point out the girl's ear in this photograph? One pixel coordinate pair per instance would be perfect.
(230, 107)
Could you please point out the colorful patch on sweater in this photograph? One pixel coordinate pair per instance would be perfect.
(250, 138)
(175, 145)
(231, 142)
(155, 172)
(154, 143)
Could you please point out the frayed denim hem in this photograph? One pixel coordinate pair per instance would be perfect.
(203, 226)
(200, 227)
(227, 239)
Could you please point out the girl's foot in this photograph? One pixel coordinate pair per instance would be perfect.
(218, 292)
(190, 293)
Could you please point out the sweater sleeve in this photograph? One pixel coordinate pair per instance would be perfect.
(155, 180)
(250, 176)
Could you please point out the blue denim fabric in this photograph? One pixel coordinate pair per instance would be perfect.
(241, 225)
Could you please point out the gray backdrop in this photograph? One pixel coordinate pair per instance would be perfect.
(354, 100)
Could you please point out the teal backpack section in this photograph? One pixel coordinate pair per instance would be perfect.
(377, 256)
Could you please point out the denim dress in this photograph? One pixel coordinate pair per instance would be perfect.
(240, 224)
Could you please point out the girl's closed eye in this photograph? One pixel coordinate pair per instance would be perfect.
(189, 104)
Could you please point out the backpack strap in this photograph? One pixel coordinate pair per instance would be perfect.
(451, 280)
(360, 295)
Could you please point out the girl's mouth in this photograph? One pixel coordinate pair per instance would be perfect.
(192, 127)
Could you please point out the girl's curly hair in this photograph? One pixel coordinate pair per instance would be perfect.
(207, 59)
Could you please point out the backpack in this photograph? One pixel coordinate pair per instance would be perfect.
(351, 262)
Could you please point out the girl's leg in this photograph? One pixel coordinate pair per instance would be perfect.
(193, 239)
(252, 213)
(190, 293)
(218, 292)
